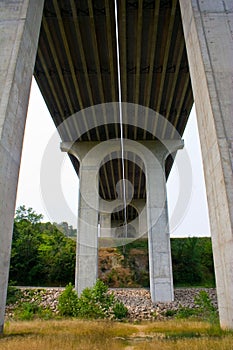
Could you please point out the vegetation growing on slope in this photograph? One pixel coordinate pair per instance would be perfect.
(43, 255)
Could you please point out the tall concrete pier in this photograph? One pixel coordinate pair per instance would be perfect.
(182, 53)
(19, 32)
(208, 37)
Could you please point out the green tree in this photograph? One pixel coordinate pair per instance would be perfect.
(28, 214)
(25, 264)
(186, 259)
(41, 254)
(66, 229)
(57, 254)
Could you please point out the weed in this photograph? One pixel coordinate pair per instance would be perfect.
(27, 311)
(13, 294)
(186, 312)
(170, 313)
(204, 309)
(30, 310)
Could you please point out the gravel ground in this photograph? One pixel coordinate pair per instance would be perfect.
(138, 301)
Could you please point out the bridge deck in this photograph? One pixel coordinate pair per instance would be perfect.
(76, 68)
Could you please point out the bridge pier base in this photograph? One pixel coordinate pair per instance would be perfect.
(19, 32)
(208, 37)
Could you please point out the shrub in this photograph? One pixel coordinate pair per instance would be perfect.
(13, 294)
(186, 312)
(94, 303)
(204, 309)
(28, 311)
(170, 313)
(68, 301)
(120, 311)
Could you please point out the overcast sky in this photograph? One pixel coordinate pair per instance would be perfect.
(188, 213)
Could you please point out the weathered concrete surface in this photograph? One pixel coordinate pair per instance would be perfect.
(160, 266)
(105, 224)
(87, 229)
(87, 232)
(208, 27)
(19, 32)
(153, 154)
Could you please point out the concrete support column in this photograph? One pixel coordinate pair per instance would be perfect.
(87, 231)
(86, 272)
(142, 217)
(105, 225)
(208, 36)
(161, 279)
(19, 32)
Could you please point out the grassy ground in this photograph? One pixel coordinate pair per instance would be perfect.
(109, 335)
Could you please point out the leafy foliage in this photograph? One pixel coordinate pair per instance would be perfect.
(13, 293)
(30, 310)
(22, 213)
(93, 303)
(192, 261)
(204, 309)
(44, 255)
(41, 254)
(68, 301)
(120, 310)
(66, 229)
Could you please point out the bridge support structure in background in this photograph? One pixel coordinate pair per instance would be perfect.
(153, 154)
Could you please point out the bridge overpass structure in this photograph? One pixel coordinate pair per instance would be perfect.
(171, 53)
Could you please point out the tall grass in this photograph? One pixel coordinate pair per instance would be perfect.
(107, 335)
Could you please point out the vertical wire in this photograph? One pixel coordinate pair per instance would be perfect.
(120, 115)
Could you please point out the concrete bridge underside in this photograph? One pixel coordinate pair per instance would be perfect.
(171, 54)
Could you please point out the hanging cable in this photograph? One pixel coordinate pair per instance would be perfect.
(120, 116)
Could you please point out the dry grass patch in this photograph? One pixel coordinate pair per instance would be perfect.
(65, 335)
(95, 335)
